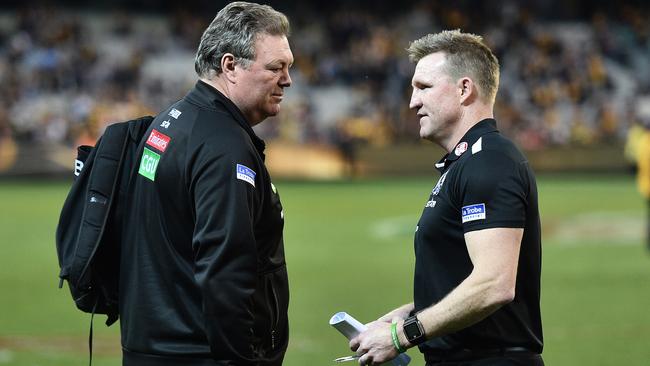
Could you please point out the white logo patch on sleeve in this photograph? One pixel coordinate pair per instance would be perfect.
(246, 174)
(473, 212)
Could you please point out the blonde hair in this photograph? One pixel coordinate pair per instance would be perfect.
(466, 55)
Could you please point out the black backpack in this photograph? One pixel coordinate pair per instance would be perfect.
(89, 229)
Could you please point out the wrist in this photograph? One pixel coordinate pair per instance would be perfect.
(403, 340)
(398, 341)
(413, 331)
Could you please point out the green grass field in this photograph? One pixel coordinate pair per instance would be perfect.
(349, 248)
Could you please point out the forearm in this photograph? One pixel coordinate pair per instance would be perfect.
(490, 285)
(401, 313)
(470, 302)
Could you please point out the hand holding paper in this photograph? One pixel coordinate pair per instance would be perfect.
(350, 328)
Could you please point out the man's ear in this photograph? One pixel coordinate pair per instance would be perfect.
(467, 90)
(228, 67)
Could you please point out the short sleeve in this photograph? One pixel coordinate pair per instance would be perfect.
(492, 191)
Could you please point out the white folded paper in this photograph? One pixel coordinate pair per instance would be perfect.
(350, 327)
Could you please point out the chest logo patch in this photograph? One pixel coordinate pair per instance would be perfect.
(460, 148)
(246, 174)
(438, 186)
(473, 212)
(158, 140)
(149, 164)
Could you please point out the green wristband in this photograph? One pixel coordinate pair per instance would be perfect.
(393, 333)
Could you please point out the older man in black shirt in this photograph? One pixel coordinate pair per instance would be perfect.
(478, 243)
(203, 278)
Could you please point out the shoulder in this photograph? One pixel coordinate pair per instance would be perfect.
(218, 131)
(492, 151)
(211, 135)
(493, 161)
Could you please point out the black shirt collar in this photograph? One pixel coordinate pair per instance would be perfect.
(481, 128)
(206, 95)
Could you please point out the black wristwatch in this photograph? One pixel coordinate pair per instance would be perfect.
(414, 330)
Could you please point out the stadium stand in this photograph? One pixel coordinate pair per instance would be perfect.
(566, 80)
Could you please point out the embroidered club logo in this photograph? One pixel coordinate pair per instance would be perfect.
(246, 174)
(460, 148)
(158, 140)
(438, 186)
(149, 164)
(473, 212)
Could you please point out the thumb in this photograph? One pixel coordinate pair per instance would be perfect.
(354, 343)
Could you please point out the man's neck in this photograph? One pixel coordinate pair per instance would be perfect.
(218, 84)
(222, 86)
(468, 119)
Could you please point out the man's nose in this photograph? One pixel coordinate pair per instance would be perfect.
(415, 101)
(285, 80)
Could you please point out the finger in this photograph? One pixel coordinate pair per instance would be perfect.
(363, 360)
(369, 359)
(354, 344)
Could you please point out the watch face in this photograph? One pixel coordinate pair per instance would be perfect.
(411, 329)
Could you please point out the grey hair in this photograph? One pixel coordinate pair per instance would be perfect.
(466, 55)
(235, 30)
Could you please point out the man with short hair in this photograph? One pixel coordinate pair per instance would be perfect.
(203, 278)
(478, 241)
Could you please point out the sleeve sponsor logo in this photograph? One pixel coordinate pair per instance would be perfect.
(149, 164)
(246, 174)
(158, 140)
(473, 212)
(174, 113)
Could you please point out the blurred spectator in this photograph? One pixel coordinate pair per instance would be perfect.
(637, 148)
(643, 174)
(68, 73)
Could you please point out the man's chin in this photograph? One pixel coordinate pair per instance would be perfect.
(273, 111)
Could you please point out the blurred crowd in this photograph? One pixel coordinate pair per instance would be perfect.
(67, 73)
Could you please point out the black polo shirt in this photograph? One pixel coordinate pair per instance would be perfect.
(486, 182)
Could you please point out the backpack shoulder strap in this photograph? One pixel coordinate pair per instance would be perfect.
(100, 191)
